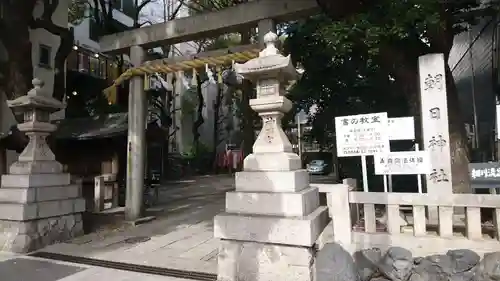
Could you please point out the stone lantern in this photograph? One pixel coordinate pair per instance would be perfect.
(38, 204)
(271, 72)
(36, 106)
(273, 219)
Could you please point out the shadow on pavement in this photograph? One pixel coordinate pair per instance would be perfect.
(22, 269)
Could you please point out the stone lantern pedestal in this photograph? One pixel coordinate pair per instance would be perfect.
(38, 205)
(273, 219)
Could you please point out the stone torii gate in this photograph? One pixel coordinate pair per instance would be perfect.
(261, 13)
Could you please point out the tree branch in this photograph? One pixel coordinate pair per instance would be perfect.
(176, 11)
(146, 22)
(45, 21)
(143, 4)
(65, 46)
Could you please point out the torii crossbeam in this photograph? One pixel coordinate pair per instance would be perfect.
(209, 24)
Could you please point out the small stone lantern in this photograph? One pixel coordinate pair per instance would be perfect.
(36, 106)
(272, 72)
(38, 204)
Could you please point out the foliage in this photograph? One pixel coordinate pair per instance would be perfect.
(189, 101)
(157, 109)
(200, 6)
(350, 53)
(369, 56)
(77, 11)
(337, 85)
(193, 151)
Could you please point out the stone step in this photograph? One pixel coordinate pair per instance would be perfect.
(47, 209)
(292, 204)
(278, 161)
(38, 194)
(35, 180)
(298, 231)
(36, 167)
(272, 181)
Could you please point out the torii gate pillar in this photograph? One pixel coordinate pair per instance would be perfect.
(136, 147)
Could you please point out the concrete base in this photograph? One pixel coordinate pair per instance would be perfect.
(282, 181)
(27, 236)
(293, 204)
(37, 210)
(279, 161)
(300, 231)
(264, 262)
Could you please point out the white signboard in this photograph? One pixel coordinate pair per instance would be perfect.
(401, 128)
(363, 134)
(402, 163)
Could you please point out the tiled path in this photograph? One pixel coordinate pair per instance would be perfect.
(180, 238)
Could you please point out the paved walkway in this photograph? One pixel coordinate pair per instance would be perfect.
(180, 238)
(22, 268)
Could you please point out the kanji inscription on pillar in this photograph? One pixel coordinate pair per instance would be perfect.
(434, 113)
(267, 87)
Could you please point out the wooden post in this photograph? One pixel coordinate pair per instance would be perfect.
(99, 193)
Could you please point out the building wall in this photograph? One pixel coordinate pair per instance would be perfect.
(82, 30)
(474, 76)
(82, 36)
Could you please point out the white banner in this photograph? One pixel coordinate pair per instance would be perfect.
(402, 128)
(402, 163)
(363, 134)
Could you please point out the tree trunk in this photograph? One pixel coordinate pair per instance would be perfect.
(217, 117)
(199, 115)
(459, 148)
(15, 36)
(247, 112)
(248, 118)
(19, 69)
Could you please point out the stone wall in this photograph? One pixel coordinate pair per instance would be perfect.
(27, 236)
(398, 264)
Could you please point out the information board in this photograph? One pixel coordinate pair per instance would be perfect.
(363, 134)
(484, 174)
(402, 163)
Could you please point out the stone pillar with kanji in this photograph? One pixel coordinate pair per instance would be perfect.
(273, 219)
(38, 204)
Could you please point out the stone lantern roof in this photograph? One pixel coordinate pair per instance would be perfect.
(270, 63)
(37, 98)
